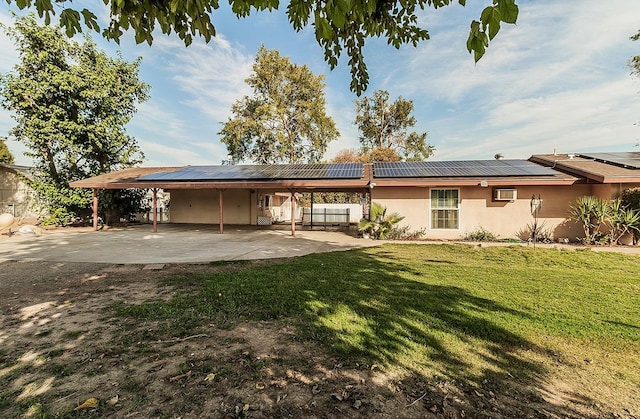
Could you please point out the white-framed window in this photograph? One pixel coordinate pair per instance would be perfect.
(445, 209)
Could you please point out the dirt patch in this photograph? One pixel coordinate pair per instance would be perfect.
(61, 346)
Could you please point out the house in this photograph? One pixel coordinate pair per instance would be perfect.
(16, 196)
(446, 199)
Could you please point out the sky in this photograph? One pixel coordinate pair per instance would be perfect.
(558, 80)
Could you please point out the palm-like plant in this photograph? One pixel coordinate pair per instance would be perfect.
(591, 212)
(380, 224)
(622, 220)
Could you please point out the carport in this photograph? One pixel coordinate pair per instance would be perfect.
(234, 180)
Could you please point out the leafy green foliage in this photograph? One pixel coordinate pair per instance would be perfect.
(380, 224)
(71, 103)
(339, 25)
(5, 154)
(285, 120)
(383, 129)
(631, 198)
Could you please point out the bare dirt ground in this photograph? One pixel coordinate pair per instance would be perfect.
(63, 353)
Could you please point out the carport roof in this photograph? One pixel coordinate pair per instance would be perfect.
(320, 177)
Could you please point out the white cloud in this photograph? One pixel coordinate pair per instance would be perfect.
(212, 75)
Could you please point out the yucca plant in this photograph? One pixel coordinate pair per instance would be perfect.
(622, 220)
(380, 224)
(592, 213)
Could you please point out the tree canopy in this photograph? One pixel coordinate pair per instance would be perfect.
(285, 120)
(383, 127)
(5, 154)
(339, 25)
(71, 103)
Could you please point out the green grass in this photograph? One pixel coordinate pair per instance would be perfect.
(456, 311)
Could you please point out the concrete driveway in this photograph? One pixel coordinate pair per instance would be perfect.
(172, 244)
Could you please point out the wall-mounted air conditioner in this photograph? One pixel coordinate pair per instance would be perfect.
(505, 194)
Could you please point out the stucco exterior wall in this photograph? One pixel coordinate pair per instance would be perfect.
(201, 206)
(478, 209)
(16, 197)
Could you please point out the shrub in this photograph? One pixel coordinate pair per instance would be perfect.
(536, 232)
(405, 233)
(481, 235)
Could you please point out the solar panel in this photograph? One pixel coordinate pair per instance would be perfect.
(261, 172)
(462, 168)
(629, 160)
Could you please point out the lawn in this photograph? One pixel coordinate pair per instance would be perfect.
(536, 319)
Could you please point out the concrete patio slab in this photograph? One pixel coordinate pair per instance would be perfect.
(172, 244)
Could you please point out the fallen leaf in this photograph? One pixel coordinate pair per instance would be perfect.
(90, 403)
(260, 386)
(112, 401)
(336, 396)
(357, 404)
(315, 389)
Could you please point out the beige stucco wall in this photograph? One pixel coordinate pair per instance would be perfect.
(202, 206)
(477, 209)
(14, 191)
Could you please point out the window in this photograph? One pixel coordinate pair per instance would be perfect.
(444, 208)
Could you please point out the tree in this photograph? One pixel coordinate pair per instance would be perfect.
(5, 155)
(383, 129)
(339, 25)
(71, 103)
(348, 155)
(285, 119)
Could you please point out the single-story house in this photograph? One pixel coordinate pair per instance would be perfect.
(446, 199)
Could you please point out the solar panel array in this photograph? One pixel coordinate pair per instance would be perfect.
(630, 160)
(463, 168)
(260, 172)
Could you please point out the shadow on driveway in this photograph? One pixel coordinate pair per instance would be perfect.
(172, 244)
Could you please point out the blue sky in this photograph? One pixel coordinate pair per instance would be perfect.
(557, 80)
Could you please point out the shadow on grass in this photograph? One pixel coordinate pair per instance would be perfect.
(371, 307)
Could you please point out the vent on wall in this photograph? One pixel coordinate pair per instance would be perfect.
(505, 194)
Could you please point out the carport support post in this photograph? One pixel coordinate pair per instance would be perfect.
(221, 213)
(95, 209)
(155, 210)
(311, 220)
(293, 213)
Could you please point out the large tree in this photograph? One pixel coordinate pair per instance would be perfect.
(285, 120)
(339, 25)
(71, 103)
(383, 127)
(5, 154)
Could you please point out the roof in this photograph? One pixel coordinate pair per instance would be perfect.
(596, 167)
(15, 168)
(333, 176)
